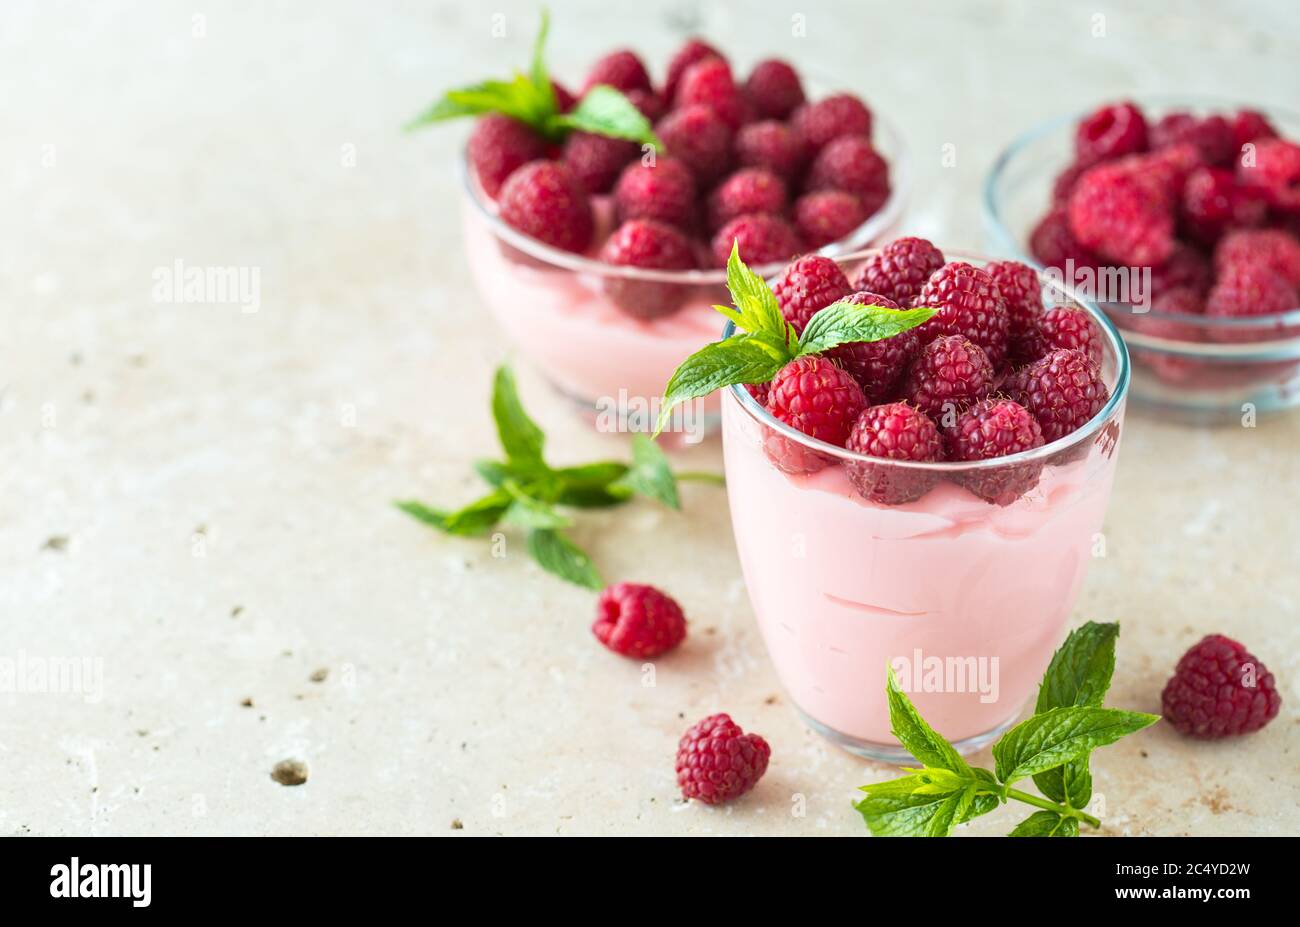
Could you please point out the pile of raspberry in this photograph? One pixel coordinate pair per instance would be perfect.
(749, 161)
(995, 372)
(1211, 204)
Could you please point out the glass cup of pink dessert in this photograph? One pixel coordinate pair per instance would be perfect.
(930, 500)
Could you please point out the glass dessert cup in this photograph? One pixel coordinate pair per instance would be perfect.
(966, 599)
(1194, 368)
(559, 309)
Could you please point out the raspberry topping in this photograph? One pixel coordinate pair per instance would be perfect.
(771, 145)
(895, 431)
(996, 428)
(773, 89)
(1110, 132)
(821, 122)
(876, 365)
(970, 305)
(544, 200)
(717, 761)
(812, 395)
(709, 82)
(1019, 286)
(1063, 390)
(900, 269)
(638, 621)
(762, 239)
(1219, 689)
(851, 164)
(698, 137)
(752, 190)
(808, 284)
(498, 146)
(597, 160)
(663, 191)
(621, 70)
(653, 245)
(1062, 327)
(946, 375)
(693, 51)
(827, 216)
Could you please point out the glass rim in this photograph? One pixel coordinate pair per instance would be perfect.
(1075, 438)
(994, 221)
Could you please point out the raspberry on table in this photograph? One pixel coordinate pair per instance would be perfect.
(761, 238)
(1275, 171)
(638, 621)
(1124, 211)
(717, 761)
(1275, 249)
(1061, 327)
(544, 200)
(1219, 689)
(663, 190)
(774, 90)
(970, 304)
(990, 429)
(895, 431)
(498, 146)
(826, 120)
(693, 51)
(811, 395)
(808, 284)
(621, 70)
(709, 82)
(900, 269)
(651, 245)
(1110, 132)
(827, 216)
(946, 375)
(700, 139)
(1212, 136)
(597, 160)
(876, 365)
(749, 190)
(772, 145)
(851, 164)
(1062, 390)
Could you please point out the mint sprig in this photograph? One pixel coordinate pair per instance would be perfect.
(1068, 724)
(530, 99)
(765, 342)
(528, 493)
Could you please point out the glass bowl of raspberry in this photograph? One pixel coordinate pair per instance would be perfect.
(1180, 218)
(929, 501)
(601, 259)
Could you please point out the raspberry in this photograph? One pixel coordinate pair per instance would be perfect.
(544, 200)
(1219, 689)
(1110, 132)
(717, 761)
(876, 365)
(1186, 267)
(1275, 171)
(812, 395)
(900, 269)
(564, 99)
(1123, 211)
(1179, 301)
(946, 374)
(1247, 126)
(808, 284)
(597, 160)
(1061, 327)
(663, 191)
(693, 51)
(1272, 248)
(970, 305)
(1213, 200)
(710, 82)
(827, 216)
(774, 90)
(1053, 244)
(896, 432)
(752, 190)
(621, 70)
(649, 244)
(850, 164)
(990, 429)
(772, 145)
(638, 621)
(1064, 183)
(498, 146)
(1246, 290)
(1019, 286)
(1063, 390)
(651, 104)
(826, 120)
(762, 238)
(759, 391)
(697, 137)
(1212, 136)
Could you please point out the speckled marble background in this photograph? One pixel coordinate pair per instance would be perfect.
(196, 498)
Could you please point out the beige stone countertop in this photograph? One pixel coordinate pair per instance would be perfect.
(197, 498)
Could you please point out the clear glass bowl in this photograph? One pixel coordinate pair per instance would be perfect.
(842, 586)
(1194, 368)
(559, 308)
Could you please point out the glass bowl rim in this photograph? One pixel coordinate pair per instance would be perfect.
(1075, 438)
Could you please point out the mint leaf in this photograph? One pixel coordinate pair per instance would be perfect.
(1060, 735)
(1047, 824)
(605, 111)
(650, 474)
(541, 79)
(842, 322)
(475, 518)
(556, 554)
(421, 512)
(925, 804)
(592, 485)
(520, 437)
(756, 309)
(986, 800)
(912, 731)
(753, 358)
(517, 98)
(529, 512)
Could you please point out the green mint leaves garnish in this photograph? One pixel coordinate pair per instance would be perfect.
(1052, 746)
(529, 494)
(765, 342)
(530, 98)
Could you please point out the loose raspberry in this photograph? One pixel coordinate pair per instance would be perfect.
(498, 146)
(651, 104)
(1019, 285)
(969, 305)
(774, 90)
(1219, 689)
(652, 245)
(1249, 125)
(663, 190)
(849, 163)
(900, 269)
(762, 238)
(1275, 249)
(1124, 212)
(752, 190)
(1061, 327)
(700, 139)
(638, 621)
(544, 200)
(827, 216)
(876, 365)
(1063, 390)
(710, 83)
(1212, 136)
(947, 374)
(1213, 200)
(1247, 290)
(1275, 171)
(811, 395)
(717, 761)
(808, 284)
(895, 432)
(597, 160)
(772, 145)
(1110, 132)
(990, 429)
(1054, 245)
(621, 70)
(826, 120)
(693, 51)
